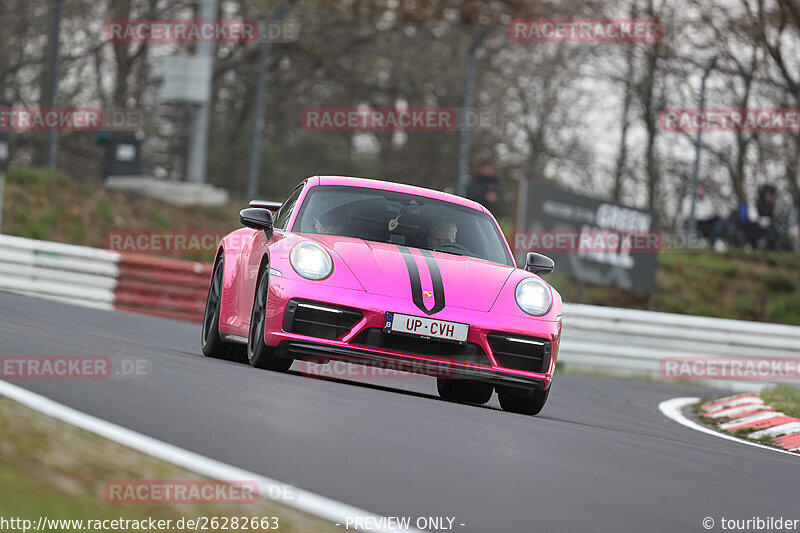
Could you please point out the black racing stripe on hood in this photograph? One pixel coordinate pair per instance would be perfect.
(416, 282)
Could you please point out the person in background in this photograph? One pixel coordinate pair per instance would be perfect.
(763, 230)
(709, 224)
(794, 227)
(484, 186)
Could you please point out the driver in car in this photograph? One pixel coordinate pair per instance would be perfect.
(331, 223)
(441, 232)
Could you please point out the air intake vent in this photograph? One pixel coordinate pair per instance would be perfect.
(319, 320)
(394, 342)
(521, 353)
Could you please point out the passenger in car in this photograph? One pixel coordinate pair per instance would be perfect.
(442, 231)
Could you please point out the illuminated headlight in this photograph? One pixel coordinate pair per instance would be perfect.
(533, 297)
(311, 261)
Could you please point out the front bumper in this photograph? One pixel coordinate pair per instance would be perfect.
(373, 308)
(298, 349)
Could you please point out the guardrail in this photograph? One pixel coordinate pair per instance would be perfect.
(72, 274)
(604, 339)
(103, 279)
(634, 342)
(162, 287)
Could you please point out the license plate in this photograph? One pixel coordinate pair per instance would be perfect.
(428, 328)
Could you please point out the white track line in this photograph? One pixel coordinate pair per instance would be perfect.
(672, 410)
(294, 497)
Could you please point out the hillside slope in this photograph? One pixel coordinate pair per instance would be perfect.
(751, 286)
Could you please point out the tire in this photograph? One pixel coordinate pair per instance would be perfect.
(463, 390)
(524, 405)
(258, 353)
(212, 344)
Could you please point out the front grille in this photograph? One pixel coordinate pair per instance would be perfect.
(520, 353)
(464, 353)
(319, 320)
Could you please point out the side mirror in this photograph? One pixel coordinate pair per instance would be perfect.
(539, 264)
(257, 218)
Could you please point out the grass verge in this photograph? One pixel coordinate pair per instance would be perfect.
(783, 398)
(51, 469)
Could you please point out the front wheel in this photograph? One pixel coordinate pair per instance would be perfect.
(258, 353)
(524, 405)
(212, 344)
(463, 390)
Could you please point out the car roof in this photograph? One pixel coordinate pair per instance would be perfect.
(396, 187)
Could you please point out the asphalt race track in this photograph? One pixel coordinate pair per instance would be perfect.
(600, 457)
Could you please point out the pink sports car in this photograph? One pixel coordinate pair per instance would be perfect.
(380, 273)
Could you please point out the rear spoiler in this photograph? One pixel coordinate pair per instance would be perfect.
(265, 204)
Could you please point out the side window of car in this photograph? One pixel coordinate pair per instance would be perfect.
(286, 209)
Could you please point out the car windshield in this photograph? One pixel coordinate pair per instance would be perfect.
(402, 219)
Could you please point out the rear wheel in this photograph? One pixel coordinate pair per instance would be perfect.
(515, 402)
(258, 353)
(464, 390)
(212, 344)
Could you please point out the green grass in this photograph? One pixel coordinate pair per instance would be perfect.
(54, 470)
(45, 205)
(784, 308)
(37, 176)
(105, 210)
(756, 286)
(784, 398)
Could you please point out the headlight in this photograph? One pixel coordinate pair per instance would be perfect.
(311, 261)
(533, 297)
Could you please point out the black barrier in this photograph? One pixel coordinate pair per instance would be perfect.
(591, 240)
(5, 143)
(123, 153)
(5, 151)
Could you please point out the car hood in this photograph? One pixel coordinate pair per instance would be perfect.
(390, 270)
